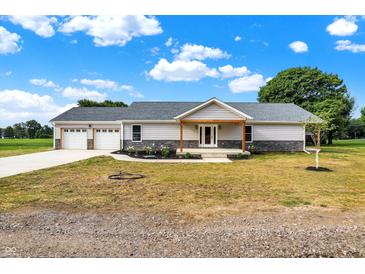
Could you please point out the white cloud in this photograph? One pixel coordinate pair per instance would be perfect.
(228, 71)
(17, 105)
(155, 50)
(199, 52)
(237, 38)
(132, 91)
(181, 70)
(342, 45)
(83, 93)
(44, 83)
(247, 83)
(343, 26)
(112, 30)
(169, 42)
(298, 46)
(6, 73)
(8, 42)
(100, 83)
(40, 24)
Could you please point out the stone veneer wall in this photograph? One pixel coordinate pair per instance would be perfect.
(173, 144)
(260, 146)
(90, 144)
(57, 144)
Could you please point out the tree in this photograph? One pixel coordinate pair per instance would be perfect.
(44, 132)
(20, 130)
(321, 93)
(355, 129)
(362, 111)
(106, 103)
(32, 127)
(9, 132)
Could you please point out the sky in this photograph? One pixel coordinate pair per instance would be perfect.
(47, 63)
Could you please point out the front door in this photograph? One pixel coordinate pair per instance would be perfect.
(208, 135)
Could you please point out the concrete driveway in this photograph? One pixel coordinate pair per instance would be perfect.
(24, 163)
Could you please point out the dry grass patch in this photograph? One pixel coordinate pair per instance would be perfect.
(196, 190)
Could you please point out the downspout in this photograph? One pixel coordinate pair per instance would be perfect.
(304, 141)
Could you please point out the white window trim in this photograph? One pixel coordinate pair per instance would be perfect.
(132, 133)
(249, 142)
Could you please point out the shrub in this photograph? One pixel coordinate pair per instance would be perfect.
(239, 156)
(165, 151)
(131, 149)
(187, 155)
(148, 150)
(251, 148)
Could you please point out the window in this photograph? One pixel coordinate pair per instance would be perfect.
(104, 130)
(116, 130)
(98, 130)
(248, 133)
(84, 130)
(110, 130)
(136, 133)
(77, 130)
(72, 130)
(66, 130)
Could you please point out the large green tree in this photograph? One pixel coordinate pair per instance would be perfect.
(20, 130)
(9, 132)
(323, 94)
(106, 103)
(362, 111)
(32, 127)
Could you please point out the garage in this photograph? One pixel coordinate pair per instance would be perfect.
(74, 138)
(107, 139)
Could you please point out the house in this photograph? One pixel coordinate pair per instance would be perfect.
(181, 125)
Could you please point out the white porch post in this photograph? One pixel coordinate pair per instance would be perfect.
(121, 136)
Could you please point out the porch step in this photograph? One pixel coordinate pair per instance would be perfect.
(214, 155)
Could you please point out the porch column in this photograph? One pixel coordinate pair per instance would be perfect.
(121, 136)
(243, 136)
(318, 137)
(181, 136)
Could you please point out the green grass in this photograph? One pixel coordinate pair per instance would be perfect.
(11, 147)
(198, 191)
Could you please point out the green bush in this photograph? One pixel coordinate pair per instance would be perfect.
(239, 156)
(165, 151)
(187, 155)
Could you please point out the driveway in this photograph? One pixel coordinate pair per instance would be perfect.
(29, 162)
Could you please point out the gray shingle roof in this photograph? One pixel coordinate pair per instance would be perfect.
(168, 110)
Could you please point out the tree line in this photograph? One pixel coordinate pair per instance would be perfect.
(323, 94)
(29, 129)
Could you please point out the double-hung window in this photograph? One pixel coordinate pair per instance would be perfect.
(248, 133)
(136, 133)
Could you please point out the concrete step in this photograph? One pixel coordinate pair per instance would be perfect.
(214, 155)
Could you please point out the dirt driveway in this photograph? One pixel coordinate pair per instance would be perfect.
(299, 232)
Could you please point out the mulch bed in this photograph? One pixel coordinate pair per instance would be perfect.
(142, 155)
(319, 169)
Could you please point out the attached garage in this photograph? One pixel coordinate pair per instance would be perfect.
(74, 138)
(107, 138)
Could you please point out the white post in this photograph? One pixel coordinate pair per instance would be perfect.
(54, 135)
(121, 136)
(317, 158)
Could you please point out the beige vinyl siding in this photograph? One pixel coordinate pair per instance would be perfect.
(162, 131)
(213, 111)
(278, 132)
(230, 132)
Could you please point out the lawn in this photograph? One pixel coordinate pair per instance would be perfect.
(197, 191)
(11, 147)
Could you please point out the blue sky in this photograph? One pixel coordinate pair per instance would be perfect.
(48, 63)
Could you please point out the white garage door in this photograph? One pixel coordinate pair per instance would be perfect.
(74, 138)
(107, 139)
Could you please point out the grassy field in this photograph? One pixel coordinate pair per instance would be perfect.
(197, 191)
(11, 147)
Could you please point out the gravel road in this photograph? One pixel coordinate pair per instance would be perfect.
(280, 233)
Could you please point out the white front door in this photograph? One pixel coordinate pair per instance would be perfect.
(208, 135)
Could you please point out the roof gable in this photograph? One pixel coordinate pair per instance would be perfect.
(219, 108)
